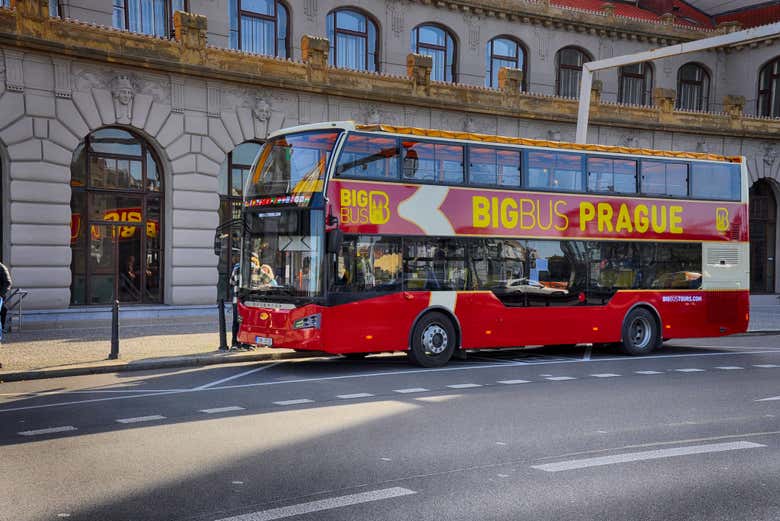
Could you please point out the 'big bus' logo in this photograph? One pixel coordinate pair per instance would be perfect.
(364, 207)
(722, 219)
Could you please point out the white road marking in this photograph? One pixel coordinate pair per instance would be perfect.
(770, 399)
(323, 504)
(294, 402)
(464, 367)
(729, 367)
(236, 482)
(690, 370)
(512, 382)
(139, 419)
(217, 410)
(239, 375)
(410, 390)
(50, 430)
(766, 366)
(604, 375)
(648, 372)
(559, 378)
(386, 459)
(500, 443)
(463, 386)
(353, 396)
(645, 455)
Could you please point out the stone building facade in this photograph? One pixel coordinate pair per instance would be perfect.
(187, 100)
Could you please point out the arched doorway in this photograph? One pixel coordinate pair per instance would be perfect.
(116, 220)
(763, 230)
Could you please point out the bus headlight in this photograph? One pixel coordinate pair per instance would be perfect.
(310, 322)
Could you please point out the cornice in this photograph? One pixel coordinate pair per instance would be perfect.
(189, 55)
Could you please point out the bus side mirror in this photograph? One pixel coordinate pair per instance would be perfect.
(334, 238)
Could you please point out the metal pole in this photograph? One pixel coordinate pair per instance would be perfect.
(222, 329)
(114, 354)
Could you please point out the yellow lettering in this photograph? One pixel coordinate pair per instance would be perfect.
(527, 213)
(640, 218)
(587, 213)
(624, 220)
(564, 218)
(508, 217)
(675, 219)
(494, 212)
(658, 219)
(549, 216)
(362, 198)
(480, 209)
(605, 216)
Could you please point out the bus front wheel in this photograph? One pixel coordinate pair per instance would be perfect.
(433, 340)
(640, 332)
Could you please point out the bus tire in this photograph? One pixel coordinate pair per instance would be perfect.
(433, 340)
(640, 332)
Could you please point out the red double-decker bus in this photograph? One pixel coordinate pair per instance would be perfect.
(372, 238)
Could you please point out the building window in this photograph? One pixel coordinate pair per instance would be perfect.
(769, 89)
(260, 26)
(353, 40)
(438, 43)
(232, 177)
(153, 17)
(504, 51)
(636, 84)
(54, 8)
(693, 87)
(568, 67)
(116, 220)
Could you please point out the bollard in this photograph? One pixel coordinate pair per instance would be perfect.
(114, 354)
(222, 329)
(234, 335)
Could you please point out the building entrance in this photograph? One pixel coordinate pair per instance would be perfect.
(763, 234)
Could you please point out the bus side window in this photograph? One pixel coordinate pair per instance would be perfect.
(366, 155)
(715, 181)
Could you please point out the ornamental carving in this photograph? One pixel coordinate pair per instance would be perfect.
(123, 92)
(261, 109)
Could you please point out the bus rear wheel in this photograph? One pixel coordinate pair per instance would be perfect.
(433, 340)
(640, 332)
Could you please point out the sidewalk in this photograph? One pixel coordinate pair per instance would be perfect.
(179, 342)
(51, 353)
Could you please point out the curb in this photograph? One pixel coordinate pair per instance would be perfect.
(183, 361)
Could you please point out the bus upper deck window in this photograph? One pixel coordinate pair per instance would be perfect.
(715, 181)
(365, 155)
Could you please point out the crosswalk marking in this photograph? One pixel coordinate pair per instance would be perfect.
(648, 372)
(410, 390)
(294, 402)
(217, 410)
(691, 370)
(50, 430)
(766, 366)
(353, 396)
(559, 378)
(605, 375)
(139, 419)
(463, 386)
(729, 367)
(513, 382)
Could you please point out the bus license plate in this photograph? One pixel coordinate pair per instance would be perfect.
(264, 341)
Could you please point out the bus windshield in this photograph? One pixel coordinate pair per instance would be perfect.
(292, 164)
(282, 253)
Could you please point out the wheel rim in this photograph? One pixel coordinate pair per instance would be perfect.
(434, 339)
(640, 332)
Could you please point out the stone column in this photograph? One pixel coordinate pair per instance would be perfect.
(664, 99)
(734, 106)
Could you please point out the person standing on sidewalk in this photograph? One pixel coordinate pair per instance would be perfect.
(5, 285)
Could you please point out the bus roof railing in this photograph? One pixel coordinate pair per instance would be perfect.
(506, 140)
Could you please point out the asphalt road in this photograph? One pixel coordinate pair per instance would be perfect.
(692, 432)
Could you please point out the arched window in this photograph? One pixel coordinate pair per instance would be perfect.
(437, 42)
(116, 220)
(504, 51)
(693, 87)
(260, 26)
(353, 40)
(769, 89)
(636, 84)
(568, 67)
(154, 17)
(232, 177)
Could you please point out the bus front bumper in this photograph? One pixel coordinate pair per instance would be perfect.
(299, 328)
